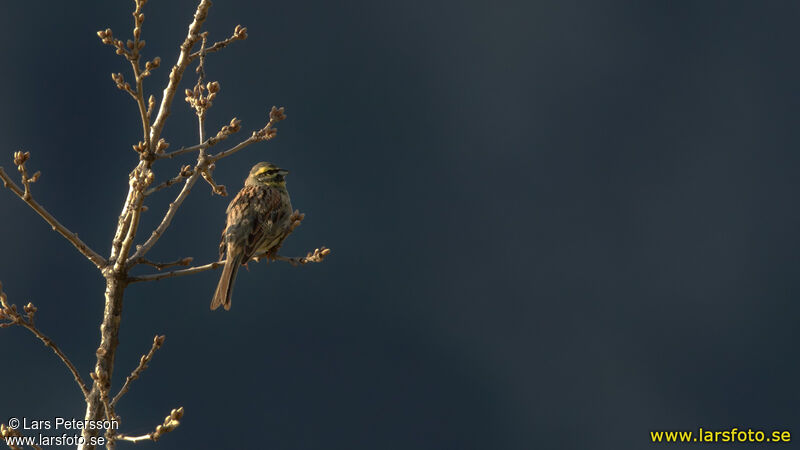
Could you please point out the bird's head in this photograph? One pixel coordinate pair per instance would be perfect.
(266, 174)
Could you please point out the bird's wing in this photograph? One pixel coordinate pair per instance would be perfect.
(251, 218)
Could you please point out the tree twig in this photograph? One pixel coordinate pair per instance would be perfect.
(177, 70)
(140, 179)
(184, 150)
(239, 33)
(176, 273)
(312, 257)
(170, 423)
(268, 132)
(93, 256)
(158, 341)
(9, 313)
(161, 266)
(186, 172)
(318, 255)
(173, 208)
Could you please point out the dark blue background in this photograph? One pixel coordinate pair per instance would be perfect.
(554, 224)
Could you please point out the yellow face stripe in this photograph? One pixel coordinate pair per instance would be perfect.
(264, 169)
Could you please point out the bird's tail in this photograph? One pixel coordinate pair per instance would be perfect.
(222, 296)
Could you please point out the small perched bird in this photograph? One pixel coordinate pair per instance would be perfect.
(258, 221)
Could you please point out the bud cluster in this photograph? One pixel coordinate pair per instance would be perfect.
(240, 32)
(227, 130)
(268, 132)
(296, 218)
(277, 114)
(10, 314)
(317, 255)
(199, 99)
(138, 19)
(129, 49)
(170, 423)
(141, 178)
(161, 145)
(122, 85)
(187, 171)
(20, 158)
(141, 147)
(150, 65)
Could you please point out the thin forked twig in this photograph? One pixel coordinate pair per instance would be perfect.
(9, 313)
(185, 150)
(176, 273)
(312, 257)
(318, 255)
(268, 132)
(139, 182)
(170, 423)
(200, 99)
(25, 195)
(173, 208)
(233, 127)
(177, 70)
(158, 341)
(239, 33)
(186, 172)
(161, 266)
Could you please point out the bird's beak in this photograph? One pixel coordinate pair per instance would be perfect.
(283, 172)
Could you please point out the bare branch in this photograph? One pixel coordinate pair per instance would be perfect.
(122, 224)
(233, 149)
(158, 341)
(160, 266)
(170, 423)
(186, 172)
(9, 314)
(264, 134)
(184, 150)
(176, 273)
(140, 179)
(173, 208)
(222, 134)
(239, 34)
(25, 195)
(218, 189)
(131, 51)
(200, 99)
(139, 96)
(119, 80)
(180, 66)
(103, 382)
(318, 255)
(108, 38)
